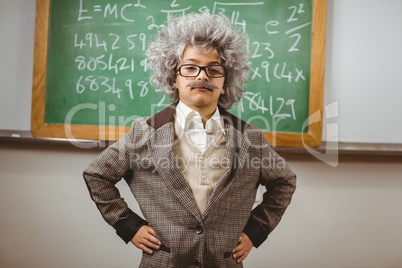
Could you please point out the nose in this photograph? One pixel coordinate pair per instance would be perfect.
(203, 75)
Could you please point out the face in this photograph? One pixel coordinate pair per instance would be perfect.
(199, 99)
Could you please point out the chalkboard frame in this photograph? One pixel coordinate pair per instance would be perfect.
(41, 129)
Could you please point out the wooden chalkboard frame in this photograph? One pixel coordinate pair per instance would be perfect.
(41, 129)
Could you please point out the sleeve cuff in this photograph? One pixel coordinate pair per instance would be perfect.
(127, 228)
(255, 232)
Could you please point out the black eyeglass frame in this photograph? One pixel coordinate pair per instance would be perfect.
(202, 68)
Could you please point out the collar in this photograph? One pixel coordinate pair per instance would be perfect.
(168, 115)
(189, 119)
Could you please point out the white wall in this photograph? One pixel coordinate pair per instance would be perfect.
(344, 217)
(362, 70)
(17, 31)
(349, 216)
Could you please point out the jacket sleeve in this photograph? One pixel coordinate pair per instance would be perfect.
(280, 184)
(101, 177)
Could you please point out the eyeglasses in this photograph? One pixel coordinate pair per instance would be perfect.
(212, 71)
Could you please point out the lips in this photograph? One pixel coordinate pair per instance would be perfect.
(202, 88)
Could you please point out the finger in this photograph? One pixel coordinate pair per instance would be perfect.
(238, 248)
(152, 231)
(152, 239)
(238, 254)
(145, 249)
(236, 251)
(150, 235)
(242, 258)
(149, 244)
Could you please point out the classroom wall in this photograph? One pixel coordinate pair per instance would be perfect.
(346, 216)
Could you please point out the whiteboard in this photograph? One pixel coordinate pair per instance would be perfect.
(363, 70)
(362, 90)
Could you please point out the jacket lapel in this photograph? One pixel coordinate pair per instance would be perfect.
(237, 145)
(160, 147)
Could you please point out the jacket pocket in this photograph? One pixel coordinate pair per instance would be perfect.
(160, 258)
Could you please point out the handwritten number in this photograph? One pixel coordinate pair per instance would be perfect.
(282, 101)
(139, 4)
(298, 37)
(301, 8)
(295, 10)
(114, 46)
(268, 48)
(105, 84)
(204, 9)
(129, 84)
(291, 103)
(173, 4)
(93, 86)
(80, 87)
(162, 100)
(257, 46)
(81, 62)
(144, 63)
(99, 61)
(152, 25)
(143, 38)
(292, 17)
(144, 88)
(130, 41)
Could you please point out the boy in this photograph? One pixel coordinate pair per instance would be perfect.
(194, 168)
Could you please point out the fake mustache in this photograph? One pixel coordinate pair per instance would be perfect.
(205, 84)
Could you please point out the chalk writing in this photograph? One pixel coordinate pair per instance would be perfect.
(277, 107)
(114, 11)
(109, 41)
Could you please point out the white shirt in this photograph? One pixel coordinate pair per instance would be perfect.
(191, 122)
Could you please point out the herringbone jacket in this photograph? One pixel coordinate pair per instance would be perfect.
(144, 158)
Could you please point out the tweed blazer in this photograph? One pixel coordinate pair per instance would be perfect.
(144, 158)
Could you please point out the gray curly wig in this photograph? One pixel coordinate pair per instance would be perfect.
(204, 32)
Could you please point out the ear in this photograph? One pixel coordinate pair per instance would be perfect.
(223, 91)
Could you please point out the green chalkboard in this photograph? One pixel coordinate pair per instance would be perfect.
(97, 73)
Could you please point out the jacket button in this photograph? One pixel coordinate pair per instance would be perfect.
(199, 229)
